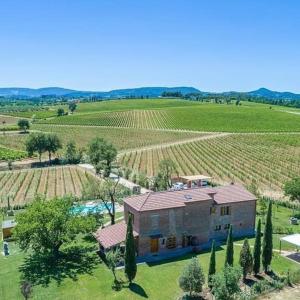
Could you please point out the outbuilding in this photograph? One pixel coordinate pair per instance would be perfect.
(7, 227)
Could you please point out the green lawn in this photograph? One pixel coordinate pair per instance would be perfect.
(85, 277)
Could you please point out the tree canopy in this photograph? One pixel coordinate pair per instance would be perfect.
(292, 189)
(24, 125)
(47, 224)
(102, 155)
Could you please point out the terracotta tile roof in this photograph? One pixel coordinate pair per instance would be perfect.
(173, 199)
(112, 235)
(230, 194)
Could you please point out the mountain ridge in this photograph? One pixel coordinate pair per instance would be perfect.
(18, 92)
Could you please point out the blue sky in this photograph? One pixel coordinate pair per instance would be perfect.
(214, 45)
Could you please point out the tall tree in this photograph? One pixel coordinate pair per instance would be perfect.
(212, 264)
(53, 143)
(46, 225)
(166, 169)
(229, 248)
(108, 191)
(72, 155)
(24, 125)
(192, 277)
(246, 259)
(113, 258)
(36, 143)
(72, 106)
(130, 258)
(267, 247)
(102, 155)
(257, 249)
(60, 112)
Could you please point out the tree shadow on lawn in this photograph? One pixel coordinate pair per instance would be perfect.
(75, 260)
(137, 289)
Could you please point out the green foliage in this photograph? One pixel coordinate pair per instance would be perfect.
(102, 154)
(267, 247)
(72, 155)
(60, 112)
(226, 283)
(36, 142)
(212, 264)
(113, 259)
(192, 277)
(292, 189)
(257, 249)
(72, 106)
(246, 259)
(229, 248)
(52, 144)
(24, 125)
(10, 154)
(130, 255)
(46, 225)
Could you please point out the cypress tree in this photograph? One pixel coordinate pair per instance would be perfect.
(267, 241)
(229, 248)
(130, 259)
(212, 264)
(257, 249)
(246, 260)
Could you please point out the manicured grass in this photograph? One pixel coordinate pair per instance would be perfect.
(88, 278)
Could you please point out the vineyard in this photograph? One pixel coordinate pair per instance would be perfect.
(21, 187)
(268, 160)
(122, 138)
(248, 117)
(6, 154)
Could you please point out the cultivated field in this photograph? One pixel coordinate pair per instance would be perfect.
(7, 120)
(122, 138)
(22, 186)
(7, 153)
(268, 160)
(186, 115)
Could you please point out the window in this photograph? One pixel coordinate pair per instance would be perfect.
(218, 228)
(213, 210)
(132, 216)
(171, 242)
(154, 221)
(225, 210)
(226, 226)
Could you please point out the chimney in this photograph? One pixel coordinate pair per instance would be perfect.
(212, 195)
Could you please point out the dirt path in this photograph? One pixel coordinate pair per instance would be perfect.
(285, 294)
(185, 141)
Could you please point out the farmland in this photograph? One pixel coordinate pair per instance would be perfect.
(268, 160)
(122, 138)
(186, 115)
(22, 186)
(6, 154)
(7, 120)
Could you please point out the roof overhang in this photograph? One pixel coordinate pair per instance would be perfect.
(292, 239)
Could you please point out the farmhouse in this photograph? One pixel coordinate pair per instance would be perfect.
(185, 219)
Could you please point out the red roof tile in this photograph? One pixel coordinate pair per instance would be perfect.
(112, 235)
(173, 199)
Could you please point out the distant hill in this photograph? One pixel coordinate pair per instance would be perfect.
(265, 93)
(136, 92)
(122, 93)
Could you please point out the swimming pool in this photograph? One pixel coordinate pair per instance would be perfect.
(90, 208)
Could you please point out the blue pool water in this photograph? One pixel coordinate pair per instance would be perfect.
(90, 209)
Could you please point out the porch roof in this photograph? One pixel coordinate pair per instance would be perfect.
(292, 239)
(112, 235)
